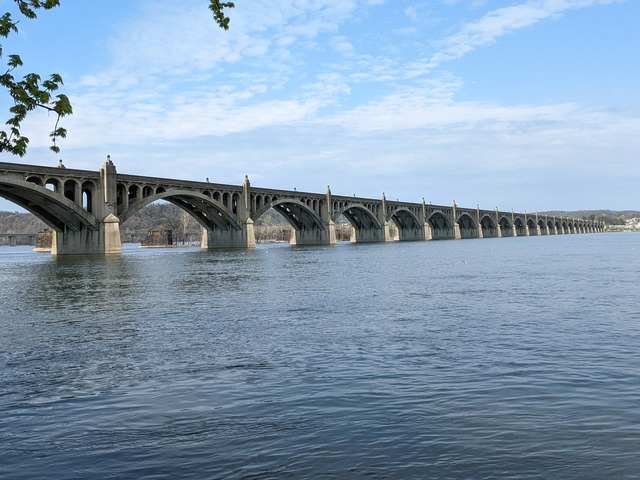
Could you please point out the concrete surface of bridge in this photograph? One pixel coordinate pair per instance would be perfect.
(85, 210)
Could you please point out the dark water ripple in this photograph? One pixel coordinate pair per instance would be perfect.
(501, 358)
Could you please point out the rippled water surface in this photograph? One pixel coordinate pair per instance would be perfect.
(472, 359)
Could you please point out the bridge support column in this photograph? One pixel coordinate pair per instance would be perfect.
(370, 235)
(105, 240)
(386, 232)
(314, 236)
(233, 238)
(428, 231)
(480, 232)
(110, 232)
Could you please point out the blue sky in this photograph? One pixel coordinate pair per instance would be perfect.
(530, 105)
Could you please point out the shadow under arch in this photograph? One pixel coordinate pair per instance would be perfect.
(365, 227)
(209, 213)
(520, 229)
(298, 214)
(307, 226)
(489, 227)
(441, 229)
(54, 209)
(506, 229)
(408, 224)
(468, 227)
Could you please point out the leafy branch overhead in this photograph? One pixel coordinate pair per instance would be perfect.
(218, 12)
(32, 92)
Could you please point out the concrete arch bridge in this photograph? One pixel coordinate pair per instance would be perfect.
(85, 209)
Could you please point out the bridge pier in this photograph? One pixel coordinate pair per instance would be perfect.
(231, 238)
(105, 240)
(314, 235)
(370, 235)
(409, 233)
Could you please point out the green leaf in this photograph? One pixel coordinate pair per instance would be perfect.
(62, 106)
(218, 12)
(14, 61)
(56, 78)
(7, 25)
(59, 132)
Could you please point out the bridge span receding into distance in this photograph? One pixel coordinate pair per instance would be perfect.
(85, 210)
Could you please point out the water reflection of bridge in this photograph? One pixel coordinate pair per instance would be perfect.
(85, 209)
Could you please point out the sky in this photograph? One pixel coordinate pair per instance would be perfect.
(531, 105)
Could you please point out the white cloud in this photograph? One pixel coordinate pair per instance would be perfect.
(495, 24)
(288, 97)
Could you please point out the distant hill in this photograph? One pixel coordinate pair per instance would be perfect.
(588, 213)
(15, 222)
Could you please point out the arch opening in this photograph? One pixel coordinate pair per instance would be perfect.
(489, 228)
(505, 227)
(468, 228)
(440, 227)
(88, 189)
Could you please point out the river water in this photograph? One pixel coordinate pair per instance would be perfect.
(472, 359)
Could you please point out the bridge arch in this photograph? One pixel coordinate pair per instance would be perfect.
(404, 218)
(88, 190)
(489, 227)
(53, 184)
(207, 212)
(365, 227)
(71, 190)
(564, 227)
(55, 210)
(299, 215)
(307, 225)
(467, 226)
(532, 225)
(544, 227)
(506, 228)
(441, 228)
(519, 226)
(409, 226)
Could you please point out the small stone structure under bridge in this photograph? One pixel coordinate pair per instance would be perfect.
(85, 209)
